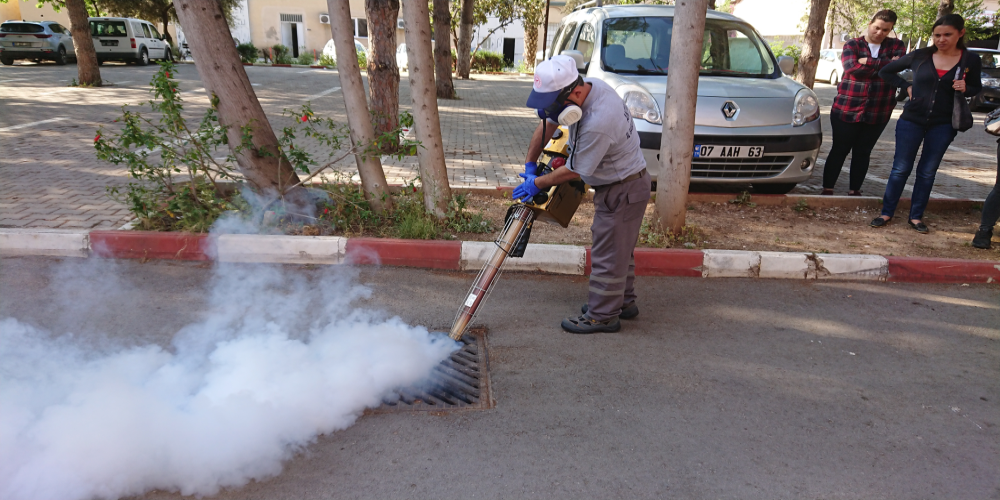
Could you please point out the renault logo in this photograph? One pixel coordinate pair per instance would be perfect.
(730, 110)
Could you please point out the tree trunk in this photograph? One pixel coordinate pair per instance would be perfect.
(358, 118)
(945, 7)
(465, 27)
(383, 74)
(442, 50)
(222, 73)
(165, 20)
(811, 42)
(711, 4)
(88, 72)
(530, 44)
(677, 144)
(433, 173)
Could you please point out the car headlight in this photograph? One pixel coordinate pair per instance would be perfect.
(640, 103)
(991, 82)
(806, 108)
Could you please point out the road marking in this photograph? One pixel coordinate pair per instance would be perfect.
(973, 153)
(123, 83)
(255, 84)
(20, 80)
(907, 188)
(321, 94)
(32, 124)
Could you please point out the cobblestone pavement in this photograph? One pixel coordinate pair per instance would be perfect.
(50, 177)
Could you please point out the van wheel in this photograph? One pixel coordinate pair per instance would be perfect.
(834, 79)
(782, 188)
(143, 58)
(7, 61)
(61, 56)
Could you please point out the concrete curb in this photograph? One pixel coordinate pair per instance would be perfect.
(470, 256)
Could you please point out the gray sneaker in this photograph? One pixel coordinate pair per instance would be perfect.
(586, 324)
(629, 311)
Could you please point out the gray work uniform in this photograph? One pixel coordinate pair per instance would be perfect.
(605, 151)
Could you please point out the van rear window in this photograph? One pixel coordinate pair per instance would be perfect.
(21, 28)
(108, 28)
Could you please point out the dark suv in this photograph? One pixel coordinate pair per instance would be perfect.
(44, 40)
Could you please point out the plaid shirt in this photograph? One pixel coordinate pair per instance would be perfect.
(863, 97)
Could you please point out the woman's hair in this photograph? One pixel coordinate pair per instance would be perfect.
(884, 15)
(954, 21)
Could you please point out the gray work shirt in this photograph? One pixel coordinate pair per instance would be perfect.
(605, 143)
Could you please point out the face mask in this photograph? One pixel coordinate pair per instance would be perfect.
(561, 113)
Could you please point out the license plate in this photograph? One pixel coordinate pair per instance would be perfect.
(109, 43)
(711, 151)
(22, 44)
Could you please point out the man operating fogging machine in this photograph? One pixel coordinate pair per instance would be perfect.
(605, 154)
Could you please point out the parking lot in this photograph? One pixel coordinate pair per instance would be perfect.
(51, 177)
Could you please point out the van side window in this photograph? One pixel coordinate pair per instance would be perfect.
(585, 43)
(567, 35)
(145, 31)
(152, 30)
(555, 41)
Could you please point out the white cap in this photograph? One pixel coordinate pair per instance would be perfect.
(552, 76)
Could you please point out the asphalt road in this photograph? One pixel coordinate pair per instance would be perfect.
(720, 389)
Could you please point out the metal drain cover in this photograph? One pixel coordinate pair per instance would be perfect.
(459, 382)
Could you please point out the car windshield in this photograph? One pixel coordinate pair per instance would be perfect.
(108, 28)
(990, 62)
(21, 28)
(641, 45)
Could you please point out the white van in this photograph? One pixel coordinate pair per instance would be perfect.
(129, 40)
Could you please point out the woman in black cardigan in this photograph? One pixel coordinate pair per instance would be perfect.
(938, 72)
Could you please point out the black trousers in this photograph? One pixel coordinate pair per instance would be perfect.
(856, 138)
(991, 208)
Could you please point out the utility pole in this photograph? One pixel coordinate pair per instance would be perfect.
(430, 153)
(677, 144)
(358, 118)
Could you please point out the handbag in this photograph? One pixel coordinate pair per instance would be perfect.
(993, 122)
(961, 115)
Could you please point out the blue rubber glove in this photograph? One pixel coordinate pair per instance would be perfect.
(527, 189)
(531, 168)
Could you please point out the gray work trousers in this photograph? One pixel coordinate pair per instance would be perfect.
(618, 211)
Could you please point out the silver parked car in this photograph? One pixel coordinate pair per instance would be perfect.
(753, 124)
(129, 40)
(38, 41)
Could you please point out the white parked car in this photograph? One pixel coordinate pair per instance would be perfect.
(129, 40)
(830, 68)
(330, 50)
(401, 60)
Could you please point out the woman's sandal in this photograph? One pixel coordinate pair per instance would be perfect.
(827, 192)
(854, 193)
(880, 222)
(919, 226)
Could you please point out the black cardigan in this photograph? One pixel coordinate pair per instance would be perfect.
(933, 98)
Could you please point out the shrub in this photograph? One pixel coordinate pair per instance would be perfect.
(362, 59)
(280, 54)
(485, 60)
(248, 53)
(304, 59)
(329, 62)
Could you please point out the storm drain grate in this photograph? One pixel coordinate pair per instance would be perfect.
(459, 382)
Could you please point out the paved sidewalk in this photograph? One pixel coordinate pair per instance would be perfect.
(49, 176)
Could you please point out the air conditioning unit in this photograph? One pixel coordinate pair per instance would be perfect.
(399, 24)
(324, 18)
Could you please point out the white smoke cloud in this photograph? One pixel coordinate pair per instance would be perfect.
(280, 358)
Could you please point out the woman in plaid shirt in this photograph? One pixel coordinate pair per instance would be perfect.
(864, 101)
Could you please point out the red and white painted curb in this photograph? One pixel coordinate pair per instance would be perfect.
(470, 256)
